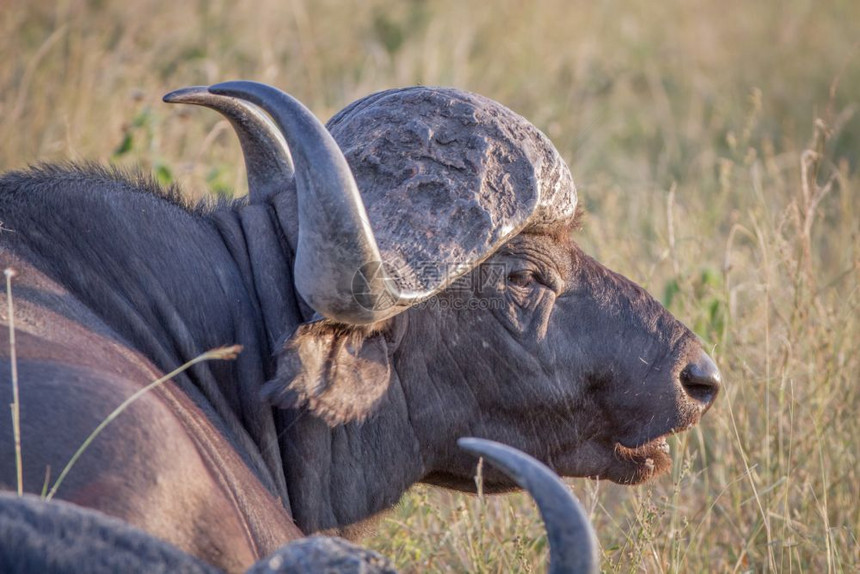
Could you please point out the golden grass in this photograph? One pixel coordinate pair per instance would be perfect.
(716, 146)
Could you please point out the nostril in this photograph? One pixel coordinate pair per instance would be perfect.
(701, 379)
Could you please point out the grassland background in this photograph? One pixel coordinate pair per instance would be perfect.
(716, 146)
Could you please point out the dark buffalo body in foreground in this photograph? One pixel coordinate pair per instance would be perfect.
(356, 379)
(55, 537)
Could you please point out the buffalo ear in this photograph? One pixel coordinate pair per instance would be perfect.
(338, 372)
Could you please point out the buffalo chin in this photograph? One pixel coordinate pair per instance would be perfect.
(639, 464)
(616, 462)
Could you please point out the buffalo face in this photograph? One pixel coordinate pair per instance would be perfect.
(546, 349)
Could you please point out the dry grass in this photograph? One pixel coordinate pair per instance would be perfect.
(716, 144)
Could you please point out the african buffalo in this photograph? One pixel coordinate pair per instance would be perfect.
(414, 280)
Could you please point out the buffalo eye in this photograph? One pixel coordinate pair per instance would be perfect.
(522, 278)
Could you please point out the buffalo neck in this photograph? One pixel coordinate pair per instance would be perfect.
(338, 476)
(266, 259)
(169, 281)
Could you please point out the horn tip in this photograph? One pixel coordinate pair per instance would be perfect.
(185, 95)
(471, 444)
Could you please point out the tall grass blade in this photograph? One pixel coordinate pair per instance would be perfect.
(221, 353)
(16, 402)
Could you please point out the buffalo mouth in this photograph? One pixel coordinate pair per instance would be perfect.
(634, 465)
(640, 460)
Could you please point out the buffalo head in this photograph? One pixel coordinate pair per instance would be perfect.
(433, 238)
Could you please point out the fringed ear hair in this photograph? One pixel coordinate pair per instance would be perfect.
(338, 372)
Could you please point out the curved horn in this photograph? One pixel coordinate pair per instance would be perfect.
(267, 157)
(336, 243)
(572, 542)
